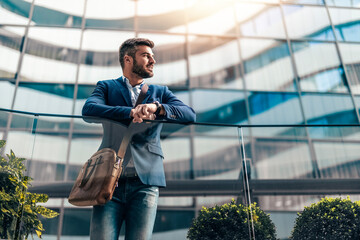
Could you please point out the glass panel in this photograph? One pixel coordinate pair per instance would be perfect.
(7, 93)
(214, 63)
(260, 20)
(214, 18)
(14, 12)
(351, 57)
(343, 3)
(347, 24)
(10, 42)
(20, 137)
(170, 68)
(328, 108)
(318, 66)
(307, 22)
(51, 55)
(274, 108)
(227, 107)
(101, 61)
(45, 98)
(50, 149)
(267, 65)
(216, 154)
(20, 125)
(170, 17)
(110, 14)
(338, 159)
(279, 157)
(58, 13)
(85, 141)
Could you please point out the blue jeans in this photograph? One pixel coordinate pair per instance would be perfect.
(133, 202)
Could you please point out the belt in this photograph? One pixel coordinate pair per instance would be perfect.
(132, 178)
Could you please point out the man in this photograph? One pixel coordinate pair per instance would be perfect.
(135, 199)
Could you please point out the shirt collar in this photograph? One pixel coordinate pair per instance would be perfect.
(131, 87)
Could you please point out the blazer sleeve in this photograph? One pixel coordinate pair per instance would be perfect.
(175, 109)
(96, 105)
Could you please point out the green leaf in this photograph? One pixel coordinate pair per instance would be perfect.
(45, 212)
(2, 143)
(38, 233)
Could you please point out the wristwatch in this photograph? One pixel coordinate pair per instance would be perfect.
(158, 108)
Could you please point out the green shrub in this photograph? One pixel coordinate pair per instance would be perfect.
(19, 210)
(329, 219)
(230, 221)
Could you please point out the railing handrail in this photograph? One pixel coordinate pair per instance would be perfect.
(192, 123)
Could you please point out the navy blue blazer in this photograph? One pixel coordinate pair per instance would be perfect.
(111, 99)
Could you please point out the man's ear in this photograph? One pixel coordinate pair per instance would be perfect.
(128, 59)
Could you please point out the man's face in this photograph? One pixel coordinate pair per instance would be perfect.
(144, 61)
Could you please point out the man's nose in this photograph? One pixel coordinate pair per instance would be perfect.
(152, 59)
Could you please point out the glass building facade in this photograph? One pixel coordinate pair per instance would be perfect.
(271, 65)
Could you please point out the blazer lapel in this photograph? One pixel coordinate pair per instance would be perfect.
(124, 91)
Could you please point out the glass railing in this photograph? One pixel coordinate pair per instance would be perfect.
(281, 167)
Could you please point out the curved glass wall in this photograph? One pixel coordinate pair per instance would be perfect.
(263, 62)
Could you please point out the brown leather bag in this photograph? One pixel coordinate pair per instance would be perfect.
(98, 177)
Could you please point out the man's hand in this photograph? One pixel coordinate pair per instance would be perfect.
(143, 111)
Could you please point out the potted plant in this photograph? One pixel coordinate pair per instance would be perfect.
(19, 210)
(231, 221)
(329, 219)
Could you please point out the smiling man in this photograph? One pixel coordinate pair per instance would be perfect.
(135, 199)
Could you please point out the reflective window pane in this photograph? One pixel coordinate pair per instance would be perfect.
(328, 109)
(318, 66)
(51, 55)
(307, 22)
(350, 53)
(6, 94)
(170, 17)
(84, 91)
(100, 57)
(357, 101)
(45, 97)
(214, 63)
(110, 14)
(14, 12)
(317, 2)
(347, 24)
(260, 20)
(227, 107)
(58, 13)
(274, 108)
(214, 18)
(267, 65)
(170, 68)
(10, 42)
(343, 3)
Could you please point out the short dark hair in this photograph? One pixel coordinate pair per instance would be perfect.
(129, 47)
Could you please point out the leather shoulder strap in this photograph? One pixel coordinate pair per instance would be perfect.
(128, 133)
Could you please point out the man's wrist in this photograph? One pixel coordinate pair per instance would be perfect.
(158, 108)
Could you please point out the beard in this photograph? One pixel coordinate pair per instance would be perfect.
(141, 71)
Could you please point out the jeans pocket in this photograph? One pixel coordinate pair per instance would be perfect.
(152, 196)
